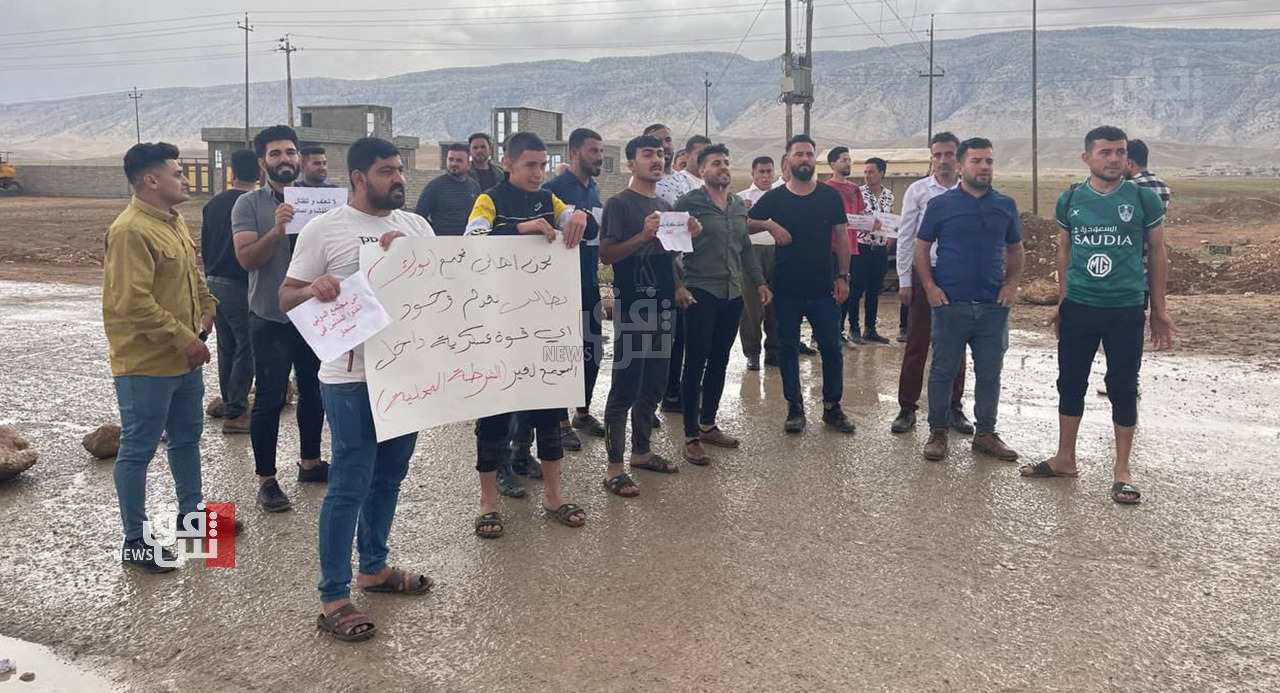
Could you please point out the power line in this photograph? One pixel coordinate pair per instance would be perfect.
(728, 63)
(148, 22)
(150, 33)
(912, 34)
(879, 36)
(4, 67)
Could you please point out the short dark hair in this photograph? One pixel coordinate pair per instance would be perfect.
(1138, 153)
(679, 153)
(761, 161)
(275, 133)
(579, 137)
(244, 164)
(800, 139)
(481, 136)
(1106, 133)
(365, 151)
(835, 154)
(457, 147)
(654, 128)
(696, 140)
(311, 151)
(520, 142)
(944, 138)
(881, 164)
(711, 150)
(142, 156)
(641, 142)
(972, 143)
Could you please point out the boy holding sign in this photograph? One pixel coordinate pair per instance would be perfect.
(519, 206)
(364, 483)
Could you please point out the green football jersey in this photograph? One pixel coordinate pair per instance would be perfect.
(1107, 237)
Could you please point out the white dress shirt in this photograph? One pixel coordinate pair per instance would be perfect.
(914, 203)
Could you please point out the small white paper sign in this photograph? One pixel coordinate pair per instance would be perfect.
(673, 231)
(598, 213)
(334, 328)
(889, 224)
(861, 222)
(309, 203)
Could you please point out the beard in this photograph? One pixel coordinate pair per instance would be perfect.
(283, 178)
(977, 183)
(802, 173)
(393, 199)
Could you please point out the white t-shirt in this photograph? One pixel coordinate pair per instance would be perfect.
(330, 244)
(675, 185)
(754, 194)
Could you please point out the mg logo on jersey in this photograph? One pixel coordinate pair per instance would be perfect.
(1099, 265)
(1126, 213)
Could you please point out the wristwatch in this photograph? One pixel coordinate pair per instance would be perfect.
(844, 276)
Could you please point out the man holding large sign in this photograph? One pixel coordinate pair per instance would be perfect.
(364, 481)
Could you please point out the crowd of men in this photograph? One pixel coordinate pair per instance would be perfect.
(764, 260)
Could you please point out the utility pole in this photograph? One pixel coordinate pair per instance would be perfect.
(137, 119)
(808, 59)
(931, 74)
(288, 49)
(706, 104)
(246, 28)
(788, 60)
(1035, 135)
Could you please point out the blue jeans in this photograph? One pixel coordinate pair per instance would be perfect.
(151, 407)
(984, 328)
(364, 485)
(824, 316)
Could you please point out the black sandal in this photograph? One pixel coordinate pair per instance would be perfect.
(342, 624)
(1042, 470)
(1121, 487)
(490, 520)
(657, 463)
(396, 584)
(620, 483)
(564, 512)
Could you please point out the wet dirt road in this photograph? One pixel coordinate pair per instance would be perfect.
(818, 562)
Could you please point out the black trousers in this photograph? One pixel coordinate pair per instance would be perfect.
(277, 348)
(677, 357)
(592, 344)
(867, 279)
(494, 432)
(1120, 331)
(711, 326)
(641, 363)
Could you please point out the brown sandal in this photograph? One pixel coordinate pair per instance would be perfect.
(396, 583)
(342, 624)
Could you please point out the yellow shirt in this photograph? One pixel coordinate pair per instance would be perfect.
(152, 292)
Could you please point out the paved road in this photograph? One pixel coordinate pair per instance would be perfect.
(812, 563)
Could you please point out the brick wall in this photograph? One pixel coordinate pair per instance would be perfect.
(73, 181)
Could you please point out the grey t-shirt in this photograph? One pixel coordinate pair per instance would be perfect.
(256, 211)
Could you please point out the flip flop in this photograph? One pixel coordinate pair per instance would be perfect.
(566, 511)
(1042, 470)
(620, 483)
(342, 623)
(395, 584)
(1120, 487)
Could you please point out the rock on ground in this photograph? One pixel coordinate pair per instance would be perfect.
(1041, 292)
(104, 442)
(16, 455)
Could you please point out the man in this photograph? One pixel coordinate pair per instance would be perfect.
(841, 167)
(753, 311)
(364, 484)
(710, 292)
(482, 169)
(663, 134)
(518, 205)
(681, 161)
(1104, 287)
(970, 290)
(942, 152)
(670, 189)
(644, 276)
(229, 283)
(156, 311)
(1138, 173)
(262, 247)
(577, 187)
(315, 169)
(804, 218)
(871, 262)
(447, 200)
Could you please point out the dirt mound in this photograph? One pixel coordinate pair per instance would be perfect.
(1231, 211)
(1257, 270)
(1040, 239)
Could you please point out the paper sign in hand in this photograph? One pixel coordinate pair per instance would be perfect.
(309, 203)
(673, 231)
(336, 327)
(889, 224)
(861, 222)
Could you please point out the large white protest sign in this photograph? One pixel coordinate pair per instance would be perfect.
(309, 203)
(479, 326)
(673, 231)
(336, 327)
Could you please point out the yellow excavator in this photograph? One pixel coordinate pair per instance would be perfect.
(9, 184)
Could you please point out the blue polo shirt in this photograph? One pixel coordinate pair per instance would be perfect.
(571, 191)
(970, 233)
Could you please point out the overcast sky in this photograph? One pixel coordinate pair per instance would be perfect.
(62, 48)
